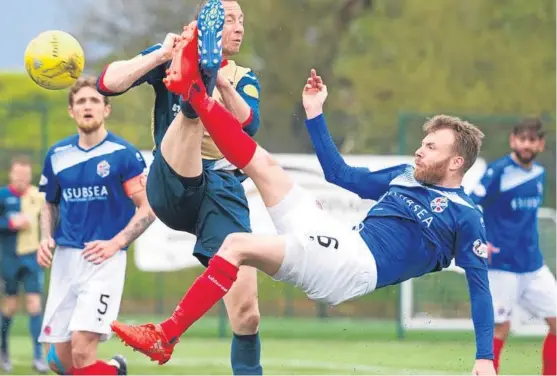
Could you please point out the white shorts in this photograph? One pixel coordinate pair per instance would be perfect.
(82, 296)
(534, 291)
(328, 260)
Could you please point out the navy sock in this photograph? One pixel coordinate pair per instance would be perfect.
(6, 324)
(188, 110)
(35, 322)
(246, 355)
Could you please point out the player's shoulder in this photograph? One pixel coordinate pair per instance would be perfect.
(121, 143)
(499, 166)
(64, 144)
(239, 73)
(468, 210)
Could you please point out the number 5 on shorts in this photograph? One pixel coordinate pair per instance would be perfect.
(104, 304)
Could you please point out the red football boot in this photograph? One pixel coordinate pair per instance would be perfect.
(184, 67)
(147, 339)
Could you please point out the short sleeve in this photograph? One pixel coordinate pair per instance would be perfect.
(133, 164)
(48, 183)
(249, 89)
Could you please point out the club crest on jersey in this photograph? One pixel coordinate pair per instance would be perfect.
(439, 204)
(480, 249)
(103, 169)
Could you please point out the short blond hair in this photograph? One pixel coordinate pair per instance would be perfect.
(83, 81)
(468, 137)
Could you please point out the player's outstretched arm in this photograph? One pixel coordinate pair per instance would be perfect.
(471, 255)
(120, 76)
(359, 180)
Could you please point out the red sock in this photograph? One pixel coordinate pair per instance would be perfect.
(548, 354)
(205, 292)
(497, 347)
(97, 368)
(235, 144)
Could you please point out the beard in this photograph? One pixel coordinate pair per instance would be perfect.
(525, 158)
(432, 174)
(89, 127)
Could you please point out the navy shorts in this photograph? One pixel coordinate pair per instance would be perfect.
(210, 211)
(23, 270)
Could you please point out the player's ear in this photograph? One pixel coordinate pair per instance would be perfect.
(457, 163)
(542, 145)
(512, 138)
(107, 110)
(70, 112)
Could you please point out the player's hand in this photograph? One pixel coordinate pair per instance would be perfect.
(222, 81)
(20, 221)
(314, 95)
(99, 250)
(44, 253)
(168, 45)
(491, 249)
(484, 367)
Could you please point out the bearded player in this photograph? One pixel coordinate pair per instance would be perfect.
(422, 220)
(190, 186)
(96, 206)
(510, 194)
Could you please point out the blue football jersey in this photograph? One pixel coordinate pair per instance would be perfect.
(510, 197)
(416, 229)
(88, 185)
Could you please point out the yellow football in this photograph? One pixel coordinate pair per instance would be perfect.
(54, 60)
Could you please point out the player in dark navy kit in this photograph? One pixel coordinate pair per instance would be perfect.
(190, 186)
(422, 220)
(96, 205)
(510, 194)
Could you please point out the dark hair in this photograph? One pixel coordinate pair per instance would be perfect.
(529, 125)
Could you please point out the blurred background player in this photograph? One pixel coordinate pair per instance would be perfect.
(190, 186)
(93, 182)
(20, 206)
(422, 220)
(510, 194)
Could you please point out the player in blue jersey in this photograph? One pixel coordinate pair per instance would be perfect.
(20, 205)
(96, 205)
(510, 194)
(422, 220)
(190, 186)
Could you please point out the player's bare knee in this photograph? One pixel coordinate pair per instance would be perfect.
(9, 305)
(246, 319)
(235, 248)
(33, 304)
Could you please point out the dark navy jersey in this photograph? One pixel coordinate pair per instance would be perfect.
(510, 196)
(88, 185)
(167, 104)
